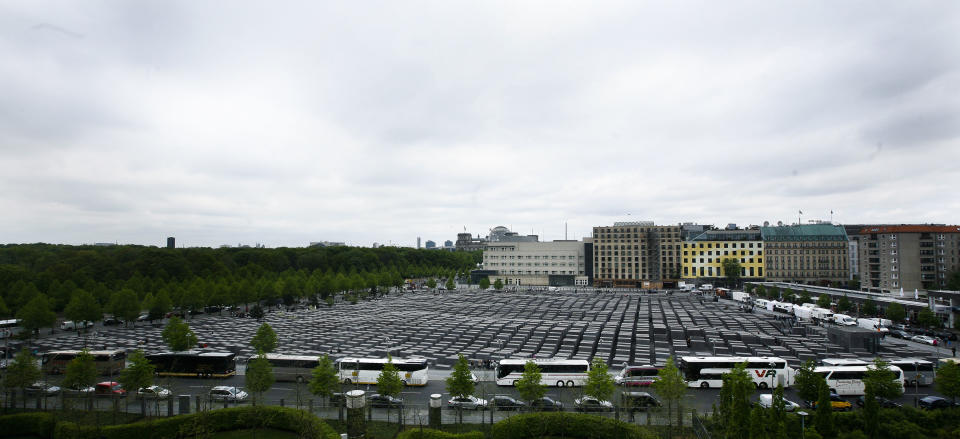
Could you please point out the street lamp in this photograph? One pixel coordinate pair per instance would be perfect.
(803, 425)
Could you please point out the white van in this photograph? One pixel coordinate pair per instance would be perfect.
(70, 325)
(844, 320)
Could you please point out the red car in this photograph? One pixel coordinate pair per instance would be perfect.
(108, 388)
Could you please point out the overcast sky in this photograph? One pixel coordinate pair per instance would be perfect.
(226, 122)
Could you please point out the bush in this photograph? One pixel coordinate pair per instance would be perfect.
(39, 424)
(429, 433)
(207, 422)
(572, 425)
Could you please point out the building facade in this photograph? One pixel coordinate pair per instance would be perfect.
(636, 254)
(809, 253)
(704, 254)
(467, 243)
(907, 256)
(556, 263)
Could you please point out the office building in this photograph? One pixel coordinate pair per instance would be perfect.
(524, 263)
(636, 254)
(171, 242)
(808, 253)
(704, 254)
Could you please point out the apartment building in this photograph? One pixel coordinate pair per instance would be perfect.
(907, 256)
(636, 254)
(703, 255)
(808, 253)
(556, 263)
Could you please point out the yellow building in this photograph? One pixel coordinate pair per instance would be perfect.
(703, 255)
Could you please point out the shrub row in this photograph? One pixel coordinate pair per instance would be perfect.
(572, 425)
(39, 424)
(428, 433)
(197, 424)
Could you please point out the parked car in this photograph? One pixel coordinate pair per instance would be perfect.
(467, 402)
(925, 339)
(227, 393)
(766, 401)
(836, 402)
(42, 388)
(112, 321)
(638, 401)
(546, 404)
(78, 390)
(934, 403)
(143, 317)
(384, 401)
(900, 334)
(591, 404)
(154, 392)
(503, 402)
(109, 388)
(70, 325)
(884, 402)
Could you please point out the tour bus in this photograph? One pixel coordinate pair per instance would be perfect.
(195, 364)
(9, 328)
(560, 373)
(413, 371)
(637, 375)
(297, 368)
(848, 380)
(915, 369)
(766, 372)
(844, 362)
(107, 362)
(709, 379)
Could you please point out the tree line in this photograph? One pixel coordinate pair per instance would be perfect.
(37, 281)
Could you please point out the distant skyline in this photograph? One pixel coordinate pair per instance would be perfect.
(282, 124)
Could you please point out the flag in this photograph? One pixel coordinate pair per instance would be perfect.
(916, 294)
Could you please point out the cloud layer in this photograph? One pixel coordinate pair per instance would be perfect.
(230, 122)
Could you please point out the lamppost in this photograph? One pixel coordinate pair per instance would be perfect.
(916, 382)
(803, 425)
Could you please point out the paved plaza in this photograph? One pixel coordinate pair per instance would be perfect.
(621, 327)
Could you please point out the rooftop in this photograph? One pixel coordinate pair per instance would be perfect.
(910, 228)
(804, 232)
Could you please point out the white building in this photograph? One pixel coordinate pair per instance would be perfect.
(556, 263)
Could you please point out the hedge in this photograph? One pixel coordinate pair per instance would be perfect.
(206, 422)
(428, 433)
(39, 424)
(572, 425)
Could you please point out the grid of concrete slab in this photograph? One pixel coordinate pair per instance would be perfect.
(622, 327)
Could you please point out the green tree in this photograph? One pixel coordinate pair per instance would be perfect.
(83, 307)
(823, 301)
(760, 291)
(927, 319)
(4, 310)
(823, 419)
(529, 386)
(671, 387)
(804, 297)
(138, 374)
(22, 372)
(460, 382)
(431, 283)
(844, 305)
(599, 383)
(178, 335)
(759, 429)
(160, 306)
(953, 282)
(778, 414)
(807, 382)
(948, 380)
(81, 372)
(878, 381)
(895, 312)
(259, 377)
(731, 270)
(450, 284)
(265, 340)
(498, 284)
(324, 380)
(37, 314)
(124, 305)
(388, 382)
(869, 308)
(735, 402)
(484, 283)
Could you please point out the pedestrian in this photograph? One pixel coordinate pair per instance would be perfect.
(953, 351)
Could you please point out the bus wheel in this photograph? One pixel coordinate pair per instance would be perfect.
(569, 383)
(404, 382)
(559, 383)
(346, 381)
(833, 391)
(704, 385)
(763, 386)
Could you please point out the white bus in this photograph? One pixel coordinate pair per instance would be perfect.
(844, 362)
(766, 372)
(560, 373)
(915, 369)
(9, 328)
(848, 380)
(297, 368)
(413, 371)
